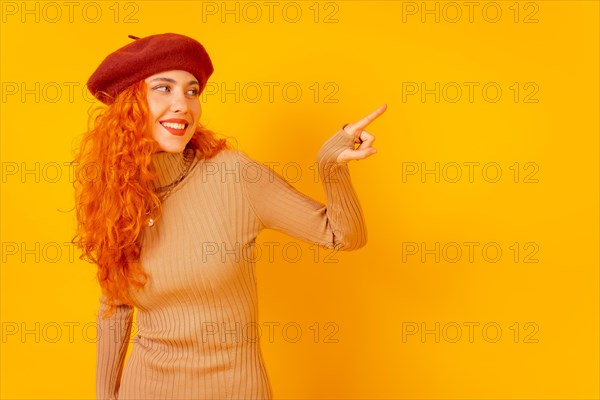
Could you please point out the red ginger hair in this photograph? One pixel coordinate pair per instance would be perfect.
(111, 206)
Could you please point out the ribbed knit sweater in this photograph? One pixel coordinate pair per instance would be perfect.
(196, 320)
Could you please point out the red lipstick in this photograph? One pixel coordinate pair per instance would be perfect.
(175, 126)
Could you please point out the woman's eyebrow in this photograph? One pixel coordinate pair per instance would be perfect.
(173, 80)
(163, 79)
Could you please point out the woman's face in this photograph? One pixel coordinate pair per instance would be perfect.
(174, 103)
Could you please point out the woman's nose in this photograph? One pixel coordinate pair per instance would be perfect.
(178, 103)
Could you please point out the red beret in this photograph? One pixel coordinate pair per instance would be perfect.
(145, 57)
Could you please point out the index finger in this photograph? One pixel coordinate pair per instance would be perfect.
(370, 118)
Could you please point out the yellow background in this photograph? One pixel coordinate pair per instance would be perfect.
(372, 294)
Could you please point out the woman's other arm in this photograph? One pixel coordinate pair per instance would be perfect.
(339, 223)
(111, 348)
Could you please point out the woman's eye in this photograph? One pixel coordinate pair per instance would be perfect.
(166, 88)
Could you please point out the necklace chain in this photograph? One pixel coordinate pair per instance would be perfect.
(189, 155)
(188, 158)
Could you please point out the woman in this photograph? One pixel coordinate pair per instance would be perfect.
(171, 218)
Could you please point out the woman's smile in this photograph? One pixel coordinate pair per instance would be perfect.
(176, 126)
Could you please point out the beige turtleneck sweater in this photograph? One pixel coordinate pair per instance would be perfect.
(196, 316)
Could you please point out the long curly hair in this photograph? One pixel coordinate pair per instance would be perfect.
(114, 191)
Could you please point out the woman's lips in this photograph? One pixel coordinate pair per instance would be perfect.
(175, 128)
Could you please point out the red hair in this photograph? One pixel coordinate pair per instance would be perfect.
(111, 206)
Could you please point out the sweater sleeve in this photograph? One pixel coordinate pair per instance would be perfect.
(111, 347)
(337, 225)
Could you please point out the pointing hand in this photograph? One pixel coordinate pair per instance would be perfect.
(362, 137)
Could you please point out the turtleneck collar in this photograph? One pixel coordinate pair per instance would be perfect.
(169, 167)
